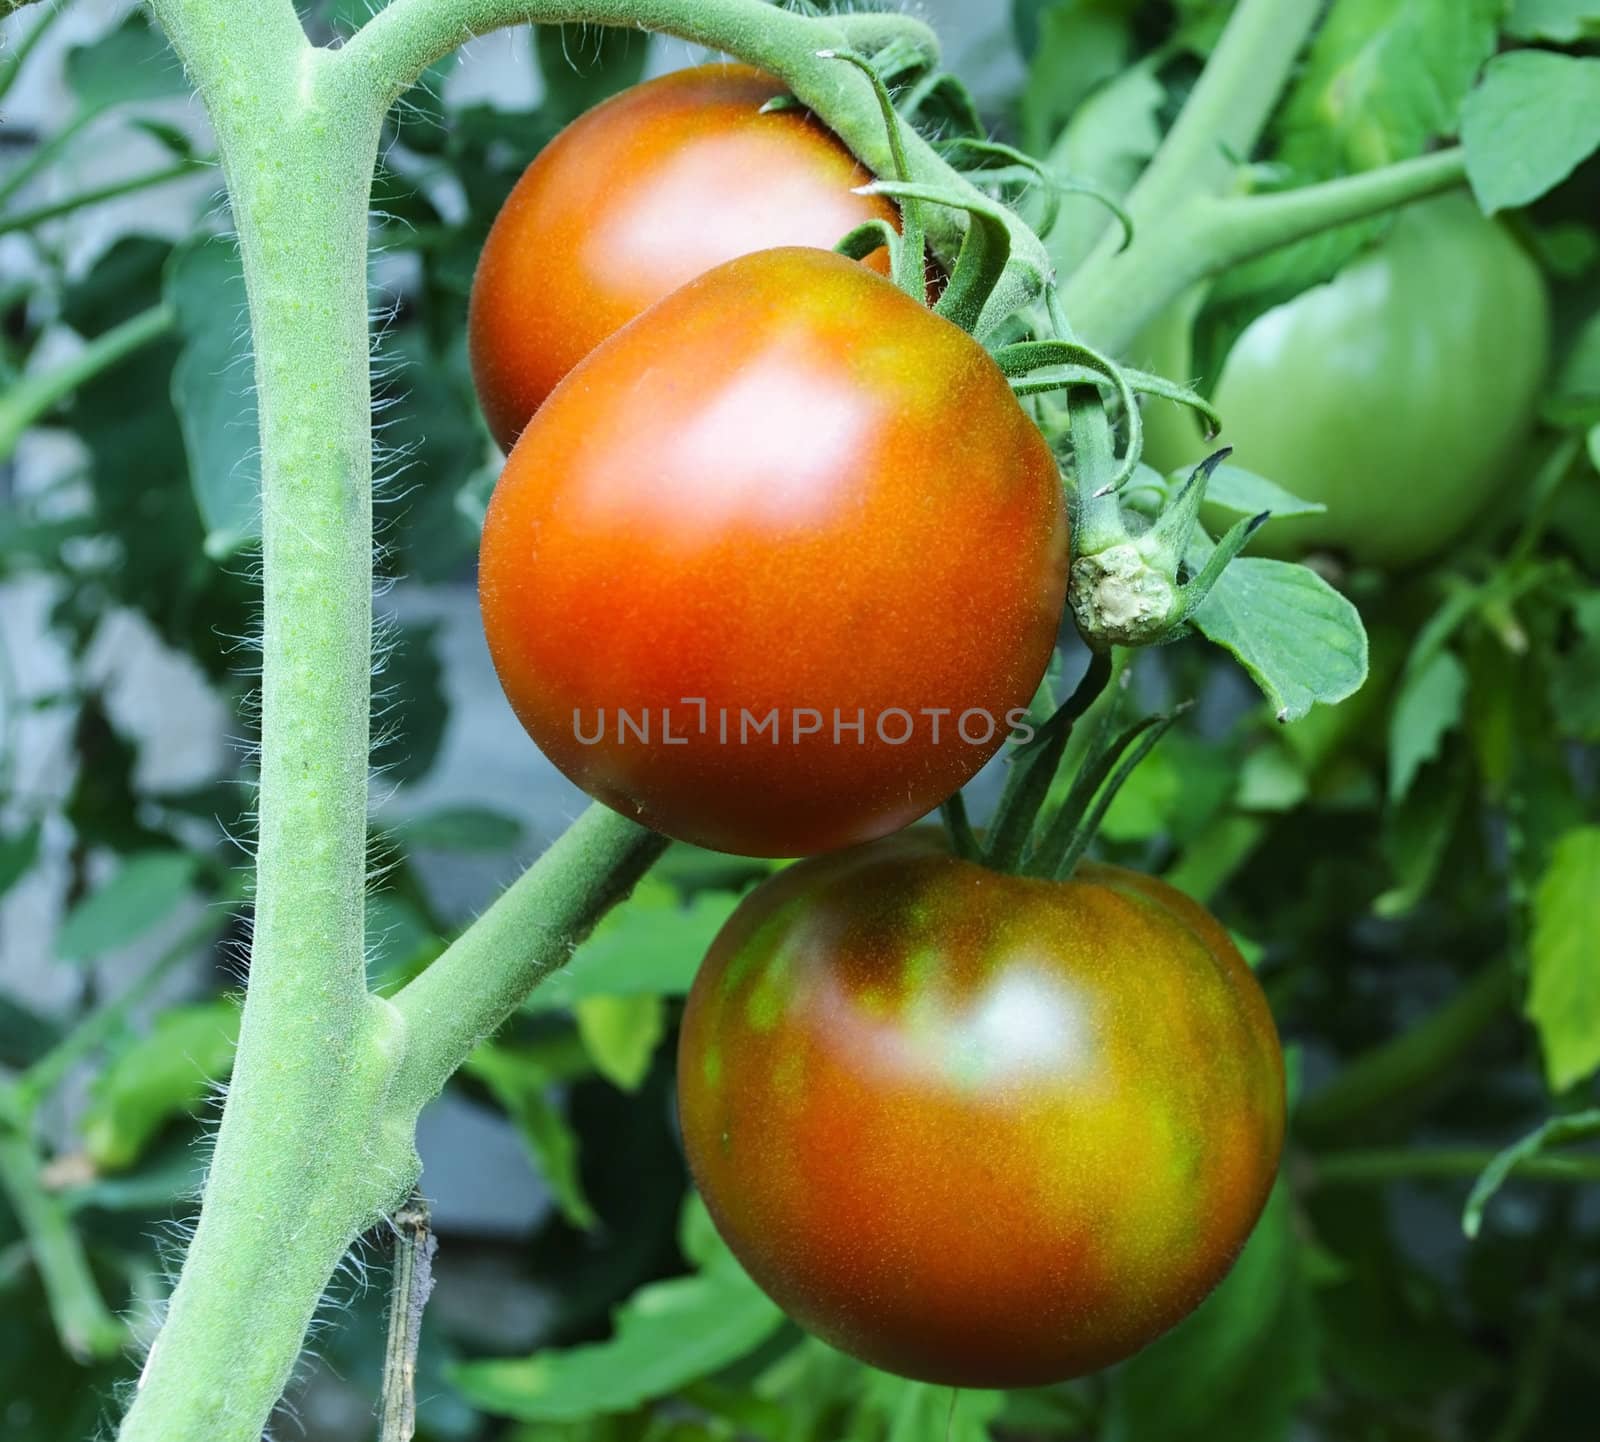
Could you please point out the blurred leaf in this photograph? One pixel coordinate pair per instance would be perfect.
(1528, 126)
(25, 1036)
(919, 1411)
(132, 62)
(1564, 988)
(584, 64)
(1559, 21)
(621, 1034)
(170, 1072)
(1300, 640)
(1241, 1365)
(124, 280)
(18, 852)
(1174, 792)
(1418, 832)
(213, 392)
(409, 708)
(399, 936)
(1575, 674)
(142, 893)
(650, 945)
(1080, 44)
(1270, 780)
(1246, 494)
(1557, 1132)
(1429, 706)
(461, 828)
(520, 1079)
(666, 1335)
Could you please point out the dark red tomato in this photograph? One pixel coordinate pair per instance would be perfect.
(979, 1129)
(645, 192)
(771, 567)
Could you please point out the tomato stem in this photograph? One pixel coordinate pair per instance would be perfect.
(963, 840)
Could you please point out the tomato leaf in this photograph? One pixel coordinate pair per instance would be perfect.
(168, 1073)
(621, 1034)
(1557, 1132)
(1529, 125)
(666, 1335)
(650, 945)
(213, 391)
(1300, 640)
(1236, 1368)
(1427, 709)
(1560, 21)
(461, 828)
(1232, 488)
(1564, 988)
(18, 852)
(132, 62)
(148, 888)
(1078, 45)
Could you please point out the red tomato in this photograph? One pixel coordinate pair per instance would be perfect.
(786, 490)
(656, 186)
(979, 1129)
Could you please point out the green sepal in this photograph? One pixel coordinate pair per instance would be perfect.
(1031, 355)
(985, 249)
(869, 236)
(1024, 169)
(1234, 540)
(1167, 540)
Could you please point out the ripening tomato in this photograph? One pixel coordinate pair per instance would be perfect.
(773, 568)
(645, 192)
(979, 1129)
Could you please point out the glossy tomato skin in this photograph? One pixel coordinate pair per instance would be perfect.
(1398, 394)
(656, 186)
(786, 488)
(978, 1129)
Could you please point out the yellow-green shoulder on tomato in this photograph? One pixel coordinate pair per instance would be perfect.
(1399, 394)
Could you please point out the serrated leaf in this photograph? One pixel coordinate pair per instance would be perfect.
(1557, 1132)
(1240, 1365)
(621, 1034)
(650, 945)
(1232, 488)
(667, 1335)
(461, 828)
(1560, 21)
(132, 62)
(1427, 709)
(1564, 987)
(520, 1078)
(213, 391)
(1300, 640)
(168, 1073)
(1529, 125)
(144, 892)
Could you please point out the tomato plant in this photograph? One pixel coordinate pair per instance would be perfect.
(741, 583)
(981, 1129)
(654, 187)
(1394, 425)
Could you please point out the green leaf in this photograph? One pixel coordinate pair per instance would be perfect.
(1560, 21)
(461, 828)
(18, 852)
(1575, 674)
(667, 1335)
(408, 705)
(583, 64)
(621, 1034)
(520, 1079)
(1300, 640)
(168, 1073)
(1428, 707)
(1417, 834)
(124, 280)
(144, 892)
(132, 62)
(1557, 1132)
(213, 392)
(1384, 78)
(1594, 445)
(1080, 45)
(1564, 988)
(1528, 126)
(1239, 1366)
(650, 945)
(1231, 488)
(920, 1411)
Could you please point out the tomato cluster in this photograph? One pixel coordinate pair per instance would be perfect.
(776, 562)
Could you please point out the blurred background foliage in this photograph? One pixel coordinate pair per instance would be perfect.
(1417, 873)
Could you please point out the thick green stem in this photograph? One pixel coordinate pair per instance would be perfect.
(34, 395)
(85, 1325)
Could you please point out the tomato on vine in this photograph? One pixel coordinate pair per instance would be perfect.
(777, 568)
(656, 186)
(976, 1128)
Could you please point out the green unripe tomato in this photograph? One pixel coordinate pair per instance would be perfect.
(979, 1129)
(1398, 394)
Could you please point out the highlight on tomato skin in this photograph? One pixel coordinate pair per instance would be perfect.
(787, 490)
(979, 1129)
(656, 186)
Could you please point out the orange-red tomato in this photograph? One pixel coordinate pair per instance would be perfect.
(790, 497)
(645, 192)
(979, 1129)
